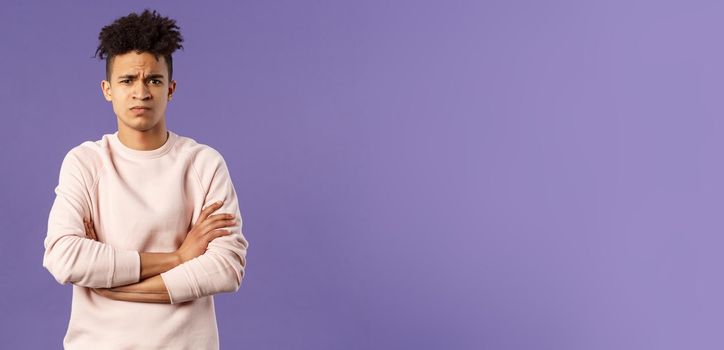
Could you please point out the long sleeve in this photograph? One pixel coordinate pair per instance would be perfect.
(69, 256)
(221, 267)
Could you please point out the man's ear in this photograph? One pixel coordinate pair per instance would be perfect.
(106, 89)
(171, 88)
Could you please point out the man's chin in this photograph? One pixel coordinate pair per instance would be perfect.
(139, 123)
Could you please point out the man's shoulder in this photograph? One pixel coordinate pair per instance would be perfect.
(84, 160)
(89, 152)
(206, 161)
(199, 152)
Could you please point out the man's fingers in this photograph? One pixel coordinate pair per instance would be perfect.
(207, 225)
(220, 216)
(85, 224)
(217, 217)
(218, 233)
(90, 229)
(223, 222)
(208, 210)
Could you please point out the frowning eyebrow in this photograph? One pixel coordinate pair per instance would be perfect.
(134, 76)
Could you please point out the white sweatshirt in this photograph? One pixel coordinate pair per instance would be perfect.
(141, 201)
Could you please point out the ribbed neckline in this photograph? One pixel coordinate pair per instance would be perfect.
(134, 153)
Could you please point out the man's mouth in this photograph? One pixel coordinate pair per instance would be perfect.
(139, 110)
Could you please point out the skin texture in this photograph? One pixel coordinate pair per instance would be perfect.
(140, 79)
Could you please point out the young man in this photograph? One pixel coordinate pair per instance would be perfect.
(131, 226)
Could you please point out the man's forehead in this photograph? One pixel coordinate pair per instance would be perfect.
(133, 64)
(136, 72)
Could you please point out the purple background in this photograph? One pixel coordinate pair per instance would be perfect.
(411, 174)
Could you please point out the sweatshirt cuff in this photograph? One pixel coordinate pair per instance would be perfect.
(127, 268)
(178, 283)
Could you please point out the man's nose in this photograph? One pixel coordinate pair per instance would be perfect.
(141, 91)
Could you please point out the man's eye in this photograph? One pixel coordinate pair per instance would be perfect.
(156, 82)
(124, 81)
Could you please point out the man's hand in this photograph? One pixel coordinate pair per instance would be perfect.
(90, 231)
(207, 228)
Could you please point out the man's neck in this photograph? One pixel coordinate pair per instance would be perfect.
(143, 140)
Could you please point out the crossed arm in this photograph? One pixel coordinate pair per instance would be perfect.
(151, 288)
(211, 262)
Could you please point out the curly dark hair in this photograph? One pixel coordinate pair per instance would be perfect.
(147, 32)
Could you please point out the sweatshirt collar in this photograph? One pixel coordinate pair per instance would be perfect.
(134, 153)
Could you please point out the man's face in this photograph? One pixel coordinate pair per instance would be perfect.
(139, 90)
